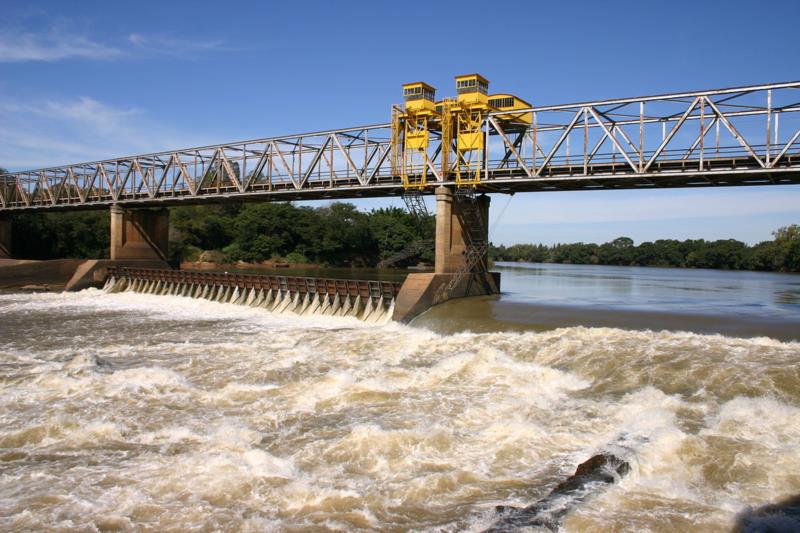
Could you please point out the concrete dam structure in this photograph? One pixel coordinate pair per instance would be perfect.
(370, 301)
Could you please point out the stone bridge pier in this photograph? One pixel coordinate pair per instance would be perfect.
(460, 225)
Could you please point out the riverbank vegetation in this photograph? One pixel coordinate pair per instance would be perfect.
(337, 234)
(340, 235)
(781, 254)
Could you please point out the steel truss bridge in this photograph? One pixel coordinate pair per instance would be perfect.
(736, 136)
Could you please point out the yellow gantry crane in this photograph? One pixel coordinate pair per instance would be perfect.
(411, 127)
(457, 122)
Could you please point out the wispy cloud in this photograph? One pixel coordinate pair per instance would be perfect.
(54, 45)
(58, 44)
(170, 45)
(53, 132)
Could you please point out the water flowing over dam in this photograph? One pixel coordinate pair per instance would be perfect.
(139, 411)
(371, 301)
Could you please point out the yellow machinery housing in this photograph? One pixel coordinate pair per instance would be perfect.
(458, 121)
(509, 102)
(473, 104)
(411, 133)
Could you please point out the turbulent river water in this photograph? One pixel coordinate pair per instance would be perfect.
(133, 412)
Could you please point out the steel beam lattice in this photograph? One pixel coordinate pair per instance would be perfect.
(737, 136)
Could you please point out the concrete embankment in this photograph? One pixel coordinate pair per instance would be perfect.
(62, 274)
(53, 274)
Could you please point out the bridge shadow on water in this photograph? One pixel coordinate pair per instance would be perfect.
(781, 517)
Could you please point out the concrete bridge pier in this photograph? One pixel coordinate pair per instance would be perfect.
(139, 239)
(457, 225)
(453, 233)
(139, 234)
(5, 237)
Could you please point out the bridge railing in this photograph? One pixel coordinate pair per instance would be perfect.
(751, 132)
(733, 130)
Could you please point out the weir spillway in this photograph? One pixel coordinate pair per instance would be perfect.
(367, 300)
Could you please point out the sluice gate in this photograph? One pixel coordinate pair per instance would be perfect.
(371, 301)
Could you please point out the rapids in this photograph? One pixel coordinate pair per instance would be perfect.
(136, 412)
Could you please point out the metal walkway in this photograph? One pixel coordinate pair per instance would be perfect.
(736, 136)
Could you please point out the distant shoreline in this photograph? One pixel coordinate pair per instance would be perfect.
(781, 254)
(673, 267)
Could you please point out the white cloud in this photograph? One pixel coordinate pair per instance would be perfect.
(170, 45)
(56, 132)
(51, 46)
(59, 44)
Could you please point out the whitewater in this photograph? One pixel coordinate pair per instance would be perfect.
(135, 412)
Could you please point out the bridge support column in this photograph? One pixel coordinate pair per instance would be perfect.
(5, 237)
(139, 234)
(457, 225)
(139, 239)
(452, 235)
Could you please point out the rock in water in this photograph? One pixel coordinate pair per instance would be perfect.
(781, 517)
(590, 478)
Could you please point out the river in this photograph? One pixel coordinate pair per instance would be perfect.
(133, 412)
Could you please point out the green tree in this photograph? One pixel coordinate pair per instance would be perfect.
(78, 234)
(392, 230)
(787, 247)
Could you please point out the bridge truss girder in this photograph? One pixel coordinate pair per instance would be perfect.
(738, 136)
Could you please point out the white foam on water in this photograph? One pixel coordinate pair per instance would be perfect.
(167, 412)
(159, 307)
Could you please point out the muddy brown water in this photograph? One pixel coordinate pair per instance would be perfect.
(134, 412)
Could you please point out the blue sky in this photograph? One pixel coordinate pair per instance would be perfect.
(88, 80)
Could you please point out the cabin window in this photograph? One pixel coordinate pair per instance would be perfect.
(466, 86)
(502, 102)
(412, 93)
(418, 93)
(472, 85)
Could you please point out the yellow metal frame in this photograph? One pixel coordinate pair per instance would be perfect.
(459, 120)
(470, 147)
(411, 134)
(415, 142)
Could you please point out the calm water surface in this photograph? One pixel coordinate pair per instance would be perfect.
(547, 296)
(134, 412)
(677, 290)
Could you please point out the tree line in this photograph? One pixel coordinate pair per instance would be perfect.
(337, 234)
(781, 254)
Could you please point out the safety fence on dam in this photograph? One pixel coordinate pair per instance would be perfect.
(371, 301)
